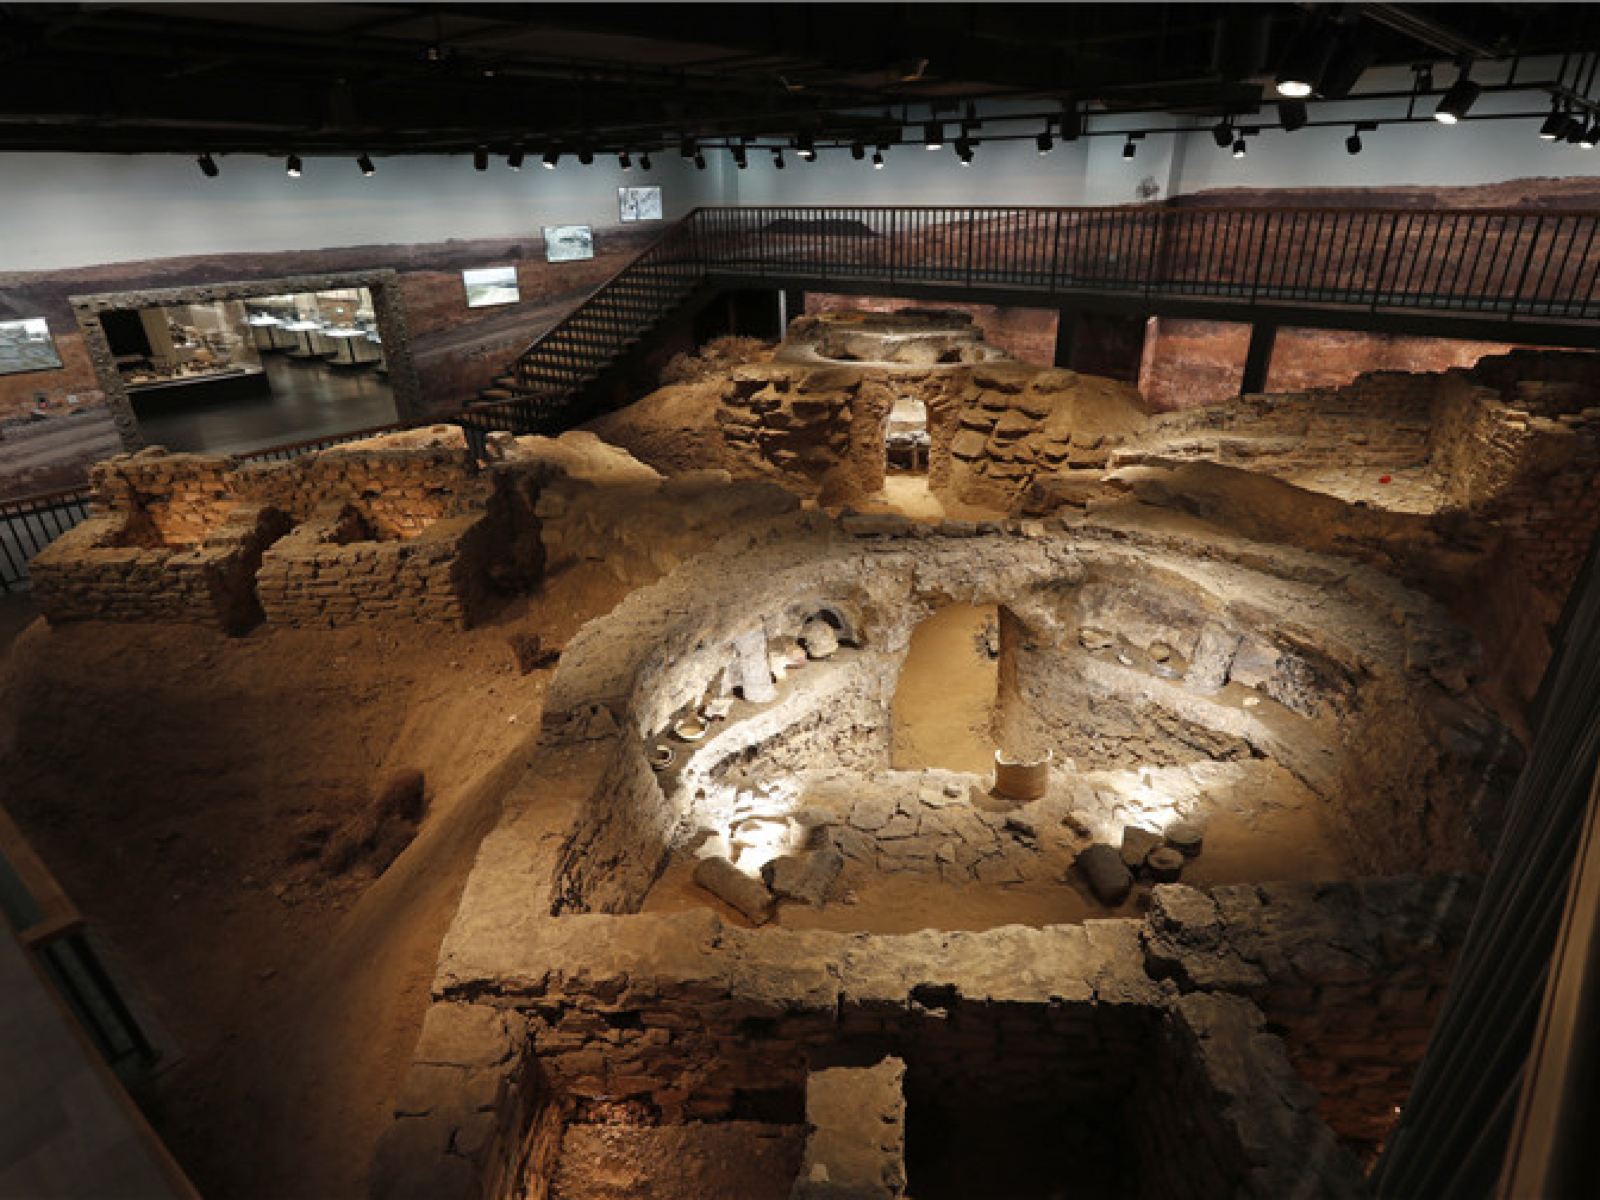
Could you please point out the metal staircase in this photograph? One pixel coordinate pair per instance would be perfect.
(543, 391)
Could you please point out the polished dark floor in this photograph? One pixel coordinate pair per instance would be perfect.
(297, 401)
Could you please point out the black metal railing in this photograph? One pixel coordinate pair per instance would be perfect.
(1501, 264)
(1509, 263)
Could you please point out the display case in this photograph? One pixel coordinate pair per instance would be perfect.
(156, 347)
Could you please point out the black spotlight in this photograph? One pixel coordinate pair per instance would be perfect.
(1458, 101)
(1590, 135)
(1044, 142)
(858, 151)
(1352, 144)
(208, 166)
(699, 161)
(1128, 148)
(514, 159)
(740, 158)
(644, 162)
(777, 158)
(806, 147)
(688, 148)
(964, 151)
(933, 135)
(877, 160)
(1240, 149)
(624, 161)
(586, 157)
(1555, 124)
(1292, 113)
(1222, 134)
(291, 166)
(1425, 78)
(480, 159)
(364, 163)
(551, 158)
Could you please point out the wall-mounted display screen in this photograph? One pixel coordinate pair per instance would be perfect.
(567, 243)
(491, 285)
(639, 203)
(26, 345)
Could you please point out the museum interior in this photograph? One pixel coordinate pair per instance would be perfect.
(799, 601)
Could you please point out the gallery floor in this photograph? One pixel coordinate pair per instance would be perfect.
(297, 401)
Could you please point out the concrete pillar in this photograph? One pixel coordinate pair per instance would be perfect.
(1066, 331)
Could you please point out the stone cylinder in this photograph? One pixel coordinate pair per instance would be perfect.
(1022, 779)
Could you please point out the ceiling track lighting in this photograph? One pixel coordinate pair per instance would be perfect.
(1130, 147)
(964, 151)
(1424, 78)
(688, 148)
(480, 159)
(877, 160)
(1071, 123)
(1458, 101)
(551, 158)
(364, 164)
(644, 162)
(624, 161)
(806, 146)
(1044, 141)
(1292, 115)
(777, 158)
(291, 166)
(1352, 144)
(933, 135)
(857, 151)
(1590, 136)
(741, 158)
(1240, 149)
(699, 161)
(208, 166)
(586, 157)
(514, 159)
(1222, 134)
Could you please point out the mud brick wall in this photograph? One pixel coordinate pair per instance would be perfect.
(176, 499)
(434, 577)
(1351, 974)
(1517, 439)
(399, 490)
(89, 574)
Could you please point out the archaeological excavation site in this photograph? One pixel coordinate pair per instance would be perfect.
(751, 661)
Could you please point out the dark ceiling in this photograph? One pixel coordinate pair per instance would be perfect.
(437, 78)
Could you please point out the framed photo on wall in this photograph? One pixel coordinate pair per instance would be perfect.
(26, 345)
(491, 285)
(568, 243)
(639, 203)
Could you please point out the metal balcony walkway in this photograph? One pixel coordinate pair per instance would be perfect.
(1519, 275)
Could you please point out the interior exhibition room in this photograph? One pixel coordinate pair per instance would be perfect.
(799, 601)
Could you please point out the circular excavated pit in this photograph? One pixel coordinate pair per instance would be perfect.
(1268, 706)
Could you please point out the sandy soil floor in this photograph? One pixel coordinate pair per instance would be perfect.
(944, 704)
(908, 495)
(163, 773)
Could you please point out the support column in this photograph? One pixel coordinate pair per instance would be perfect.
(1258, 359)
(791, 304)
(1066, 332)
